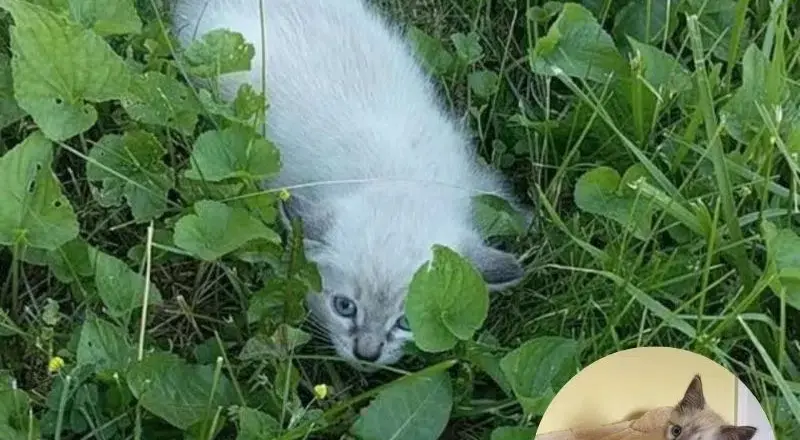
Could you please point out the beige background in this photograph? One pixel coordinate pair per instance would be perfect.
(749, 412)
(627, 383)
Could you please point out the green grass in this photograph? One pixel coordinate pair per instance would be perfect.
(662, 221)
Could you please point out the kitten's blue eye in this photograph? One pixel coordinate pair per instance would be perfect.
(675, 431)
(402, 323)
(344, 306)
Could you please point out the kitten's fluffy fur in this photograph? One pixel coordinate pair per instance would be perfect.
(349, 102)
(692, 419)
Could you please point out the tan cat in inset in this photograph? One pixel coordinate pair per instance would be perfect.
(692, 419)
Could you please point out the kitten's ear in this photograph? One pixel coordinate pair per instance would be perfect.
(500, 270)
(728, 432)
(316, 217)
(693, 399)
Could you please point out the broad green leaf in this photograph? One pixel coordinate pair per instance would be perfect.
(431, 52)
(59, 68)
(104, 346)
(106, 17)
(120, 288)
(577, 45)
(235, 152)
(208, 351)
(468, 47)
(600, 192)
(513, 433)
(742, 119)
(255, 425)
(33, 211)
(9, 110)
(646, 20)
(496, 217)
(447, 301)
(657, 78)
(131, 167)
(661, 71)
(414, 408)
(15, 416)
(783, 251)
(219, 52)
(483, 83)
(246, 109)
(178, 392)
(539, 368)
(69, 263)
(217, 229)
(158, 99)
(487, 358)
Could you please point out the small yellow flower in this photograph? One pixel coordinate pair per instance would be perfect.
(284, 194)
(321, 391)
(56, 363)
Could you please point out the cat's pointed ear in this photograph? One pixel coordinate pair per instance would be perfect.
(315, 217)
(693, 399)
(728, 432)
(500, 270)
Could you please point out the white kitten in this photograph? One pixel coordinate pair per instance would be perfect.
(348, 101)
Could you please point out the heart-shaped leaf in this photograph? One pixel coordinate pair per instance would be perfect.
(447, 301)
(577, 45)
(178, 392)
(235, 152)
(415, 408)
(539, 368)
(431, 52)
(104, 346)
(120, 288)
(217, 229)
(603, 192)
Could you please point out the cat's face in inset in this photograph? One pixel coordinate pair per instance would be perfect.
(366, 268)
(693, 419)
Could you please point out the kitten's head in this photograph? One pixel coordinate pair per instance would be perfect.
(692, 419)
(366, 259)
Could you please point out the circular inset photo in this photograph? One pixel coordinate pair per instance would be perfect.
(654, 393)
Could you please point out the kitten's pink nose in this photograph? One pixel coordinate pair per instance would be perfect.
(367, 349)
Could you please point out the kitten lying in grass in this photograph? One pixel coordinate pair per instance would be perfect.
(692, 419)
(348, 101)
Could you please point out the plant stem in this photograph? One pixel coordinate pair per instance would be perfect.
(717, 156)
